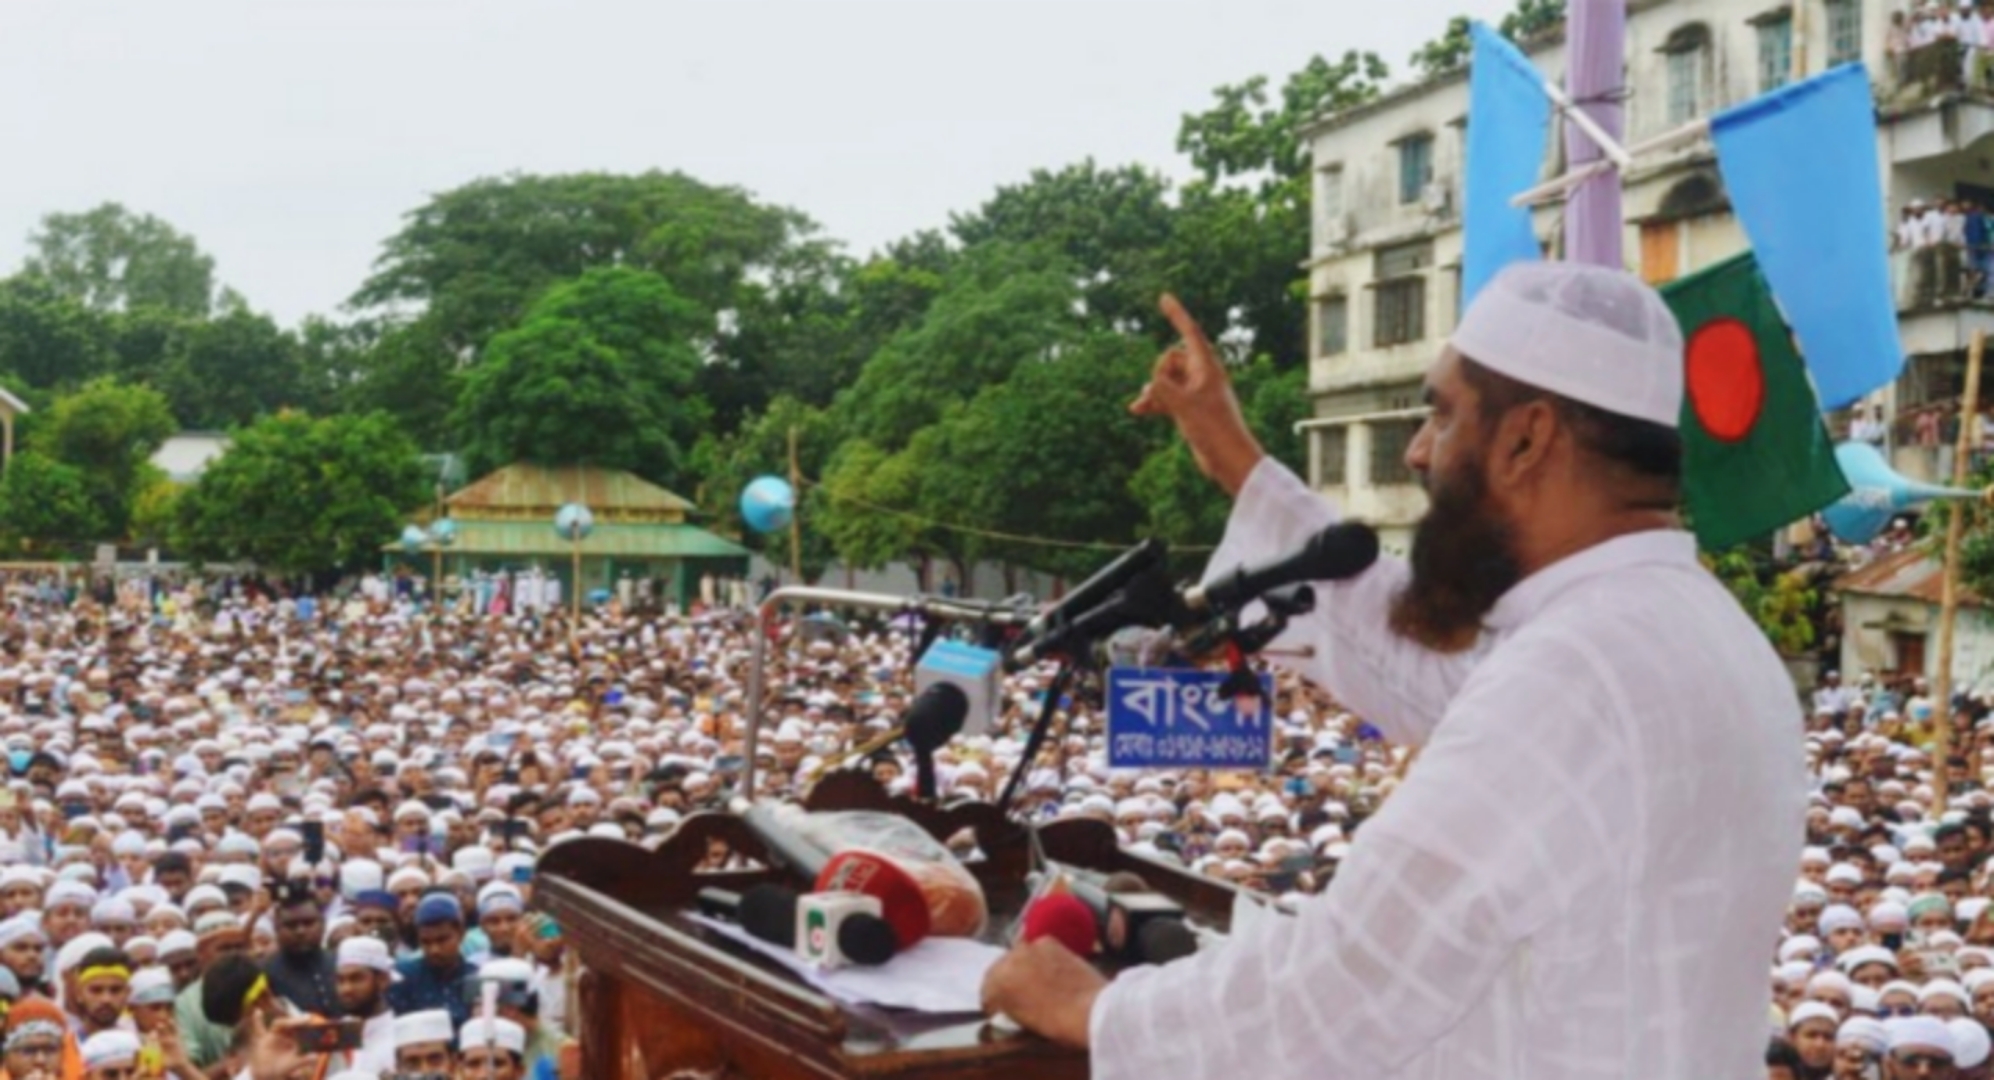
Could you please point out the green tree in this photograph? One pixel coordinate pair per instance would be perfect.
(112, 259)
(600, 371)
(1243, 225)
(863, 488)
(49, 340)
(1003, 305)
(476, 257)
(1111, 225)
(47, 507)
(108, 431)
(1047, 454)
(300, 495)
(230, 370)
(1451, 49)
(1182, 505)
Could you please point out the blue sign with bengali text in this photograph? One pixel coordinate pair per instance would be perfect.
(1176, 718)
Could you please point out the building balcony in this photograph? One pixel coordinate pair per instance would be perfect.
(1936, 107)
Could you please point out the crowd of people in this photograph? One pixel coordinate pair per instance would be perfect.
(228, 810)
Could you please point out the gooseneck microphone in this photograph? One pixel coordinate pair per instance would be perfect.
(935, 716)
(1342, 550)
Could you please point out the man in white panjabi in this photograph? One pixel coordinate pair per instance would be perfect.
(1583, 874)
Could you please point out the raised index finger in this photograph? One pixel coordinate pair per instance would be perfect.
(1187, 328)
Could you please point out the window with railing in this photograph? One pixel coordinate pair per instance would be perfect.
(1775, 51)
(1332, 456)
(1390, 439)
(1415, 167)
(1332, 315)
(1686, 60)
(1844, 31)
(1398, 293)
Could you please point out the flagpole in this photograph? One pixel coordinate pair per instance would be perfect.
(1949, 588)
(1596, 31)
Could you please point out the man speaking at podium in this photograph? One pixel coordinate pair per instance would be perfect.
(1584, 873)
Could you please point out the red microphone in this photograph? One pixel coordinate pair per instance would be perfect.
(1065, 918)
(903, 905)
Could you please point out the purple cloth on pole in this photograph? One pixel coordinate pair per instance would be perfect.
(1596, 36)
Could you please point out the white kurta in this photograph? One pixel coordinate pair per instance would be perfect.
(1583, 875)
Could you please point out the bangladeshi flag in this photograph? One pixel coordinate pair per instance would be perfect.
(1755, 453)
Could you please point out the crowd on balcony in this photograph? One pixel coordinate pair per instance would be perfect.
(1948, 245)
(1945, 46)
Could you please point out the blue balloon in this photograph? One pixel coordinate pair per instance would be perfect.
(1877, 493)
(767, 503)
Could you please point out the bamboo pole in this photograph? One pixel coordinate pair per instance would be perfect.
(1969, 430)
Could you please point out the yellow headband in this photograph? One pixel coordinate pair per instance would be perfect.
(109, 971)
(256, 990)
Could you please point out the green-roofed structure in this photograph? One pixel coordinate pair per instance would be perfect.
(505, 521)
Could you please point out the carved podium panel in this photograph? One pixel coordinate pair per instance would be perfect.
(659, 995)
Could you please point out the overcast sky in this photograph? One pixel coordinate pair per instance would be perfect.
(289, 136)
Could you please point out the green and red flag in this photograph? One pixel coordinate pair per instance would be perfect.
(1756, 455)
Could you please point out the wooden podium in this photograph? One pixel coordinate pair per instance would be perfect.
(661, 996)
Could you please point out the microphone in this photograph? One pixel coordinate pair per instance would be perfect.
(1129, 917)
(1148, 599)
(934, 709)
(935, 717)
(903, 904)
(1342, 550)
(1065, 918)
(1096, 590)
(768, 913)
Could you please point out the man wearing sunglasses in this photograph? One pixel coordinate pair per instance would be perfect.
(1921, 1048)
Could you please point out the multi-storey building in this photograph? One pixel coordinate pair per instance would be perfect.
(1384, 271)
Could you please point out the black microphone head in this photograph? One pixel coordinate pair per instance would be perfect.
(1343, 550)
(768, 912)
(1160, 941)
(936, 716)
(866, 939)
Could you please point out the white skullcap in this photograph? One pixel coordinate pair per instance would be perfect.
(1839, 917)
(1593, 334)
(151, 986)
(107, 1048)
(177, 941)
(1946, 988)
(427, 1026)
(508, 1036)
(1924, 1032)
(366, 952)
(1813, 1010)
(1864, 1031)
(1866, 954)
(1970, 1044)
(80, 946)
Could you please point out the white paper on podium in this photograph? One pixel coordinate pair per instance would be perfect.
(939, 975)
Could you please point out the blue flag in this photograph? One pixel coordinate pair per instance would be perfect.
(1801, 168)
(1509, 123)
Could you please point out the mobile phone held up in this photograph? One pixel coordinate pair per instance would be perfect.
(327, 1036)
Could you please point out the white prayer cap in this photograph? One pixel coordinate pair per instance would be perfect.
(151, 986)
(177, 941)
(1593, 334)
(1920, 1032)
(1866, 954)
(80, 946)
(109, 1048)
(509, 1036)
(1970, 1043)
(366, 952)
(1812, 1010)
(427, 1026)
(1839, 917)
(1864, 1031)
(1946, 988)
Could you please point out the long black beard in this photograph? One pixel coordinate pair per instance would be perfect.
(1463, 560)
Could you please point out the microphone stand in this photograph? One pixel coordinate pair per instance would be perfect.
(1035, 742)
